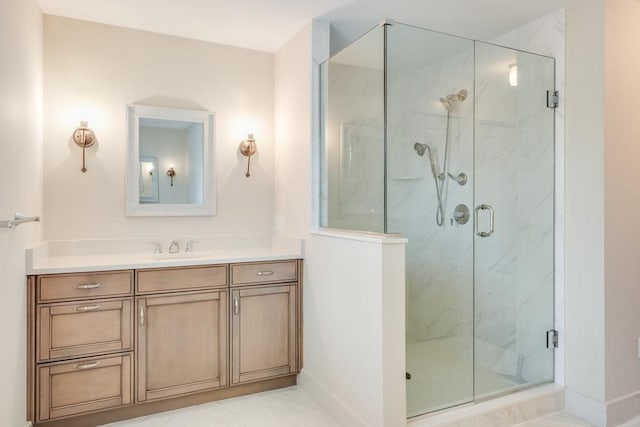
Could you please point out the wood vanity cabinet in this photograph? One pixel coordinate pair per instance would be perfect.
(80, 343)
(108, 346)
(264, 320)
(182, 337)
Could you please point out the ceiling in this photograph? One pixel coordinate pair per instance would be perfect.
(255, 24)
(268, 24)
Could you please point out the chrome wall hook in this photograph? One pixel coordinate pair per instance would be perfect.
(17, 220)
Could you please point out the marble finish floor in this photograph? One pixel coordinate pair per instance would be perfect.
(558, 419)
(288, 407)
(442, 376)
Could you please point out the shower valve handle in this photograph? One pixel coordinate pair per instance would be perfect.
(460, 214)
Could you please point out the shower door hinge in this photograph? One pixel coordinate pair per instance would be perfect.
(552, 338)
(553, 98)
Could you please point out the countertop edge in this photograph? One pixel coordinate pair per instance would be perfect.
(62, 265)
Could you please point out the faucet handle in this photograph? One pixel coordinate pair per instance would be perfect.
(189, 248)
(174, 247)
(157, 248)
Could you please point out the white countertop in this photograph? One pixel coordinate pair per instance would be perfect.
(77, 256)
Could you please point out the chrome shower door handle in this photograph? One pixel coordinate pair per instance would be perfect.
(492, 220)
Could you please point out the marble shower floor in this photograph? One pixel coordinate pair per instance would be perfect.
(288, 407)
(442, 376)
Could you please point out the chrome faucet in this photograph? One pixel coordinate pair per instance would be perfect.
(157, 248)
(174, 247)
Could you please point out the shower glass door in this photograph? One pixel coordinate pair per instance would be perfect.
(513, 255)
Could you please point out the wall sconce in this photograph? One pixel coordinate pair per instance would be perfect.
(248, 149)
(171, 172)
(84, 138)
(513, 75)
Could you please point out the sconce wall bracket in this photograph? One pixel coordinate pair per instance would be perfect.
(171, 172)
(84, 138)
(248, 148)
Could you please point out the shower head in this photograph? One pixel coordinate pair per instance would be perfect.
(451, 99)
(420, 148)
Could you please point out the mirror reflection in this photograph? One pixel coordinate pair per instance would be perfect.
(171, 170)
(177, 146)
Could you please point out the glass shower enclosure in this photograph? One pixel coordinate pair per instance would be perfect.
(450, 142)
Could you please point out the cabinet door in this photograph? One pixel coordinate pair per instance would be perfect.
(263, 334)
(182, 344)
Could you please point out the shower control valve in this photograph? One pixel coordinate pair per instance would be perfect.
(460, 214)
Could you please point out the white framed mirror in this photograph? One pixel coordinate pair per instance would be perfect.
(171, 169)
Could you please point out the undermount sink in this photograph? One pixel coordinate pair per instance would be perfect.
(179, 255)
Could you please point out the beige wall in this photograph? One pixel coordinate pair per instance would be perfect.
(293, 135)
(20, 188)
(100, 69)
(622, 207)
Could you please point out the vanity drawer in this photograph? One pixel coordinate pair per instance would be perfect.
(84, 285)
(263, 272)
(84, 328)
(83, 385)
(181, 279)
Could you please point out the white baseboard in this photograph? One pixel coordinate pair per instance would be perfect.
(328, 401)
(586, 408)
(633, 423)
(624, 410)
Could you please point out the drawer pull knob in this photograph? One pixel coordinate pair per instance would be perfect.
(89, 286)
(265, 273)
(87, 365)
(86, 307)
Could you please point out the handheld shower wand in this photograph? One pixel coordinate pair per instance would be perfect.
(438, 179)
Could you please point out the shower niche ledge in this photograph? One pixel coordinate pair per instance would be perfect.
(407, 178)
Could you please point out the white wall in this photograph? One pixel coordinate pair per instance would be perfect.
(584, 212)
(21, 188)
(621, 231)
(100, 69)
(293, 135)
(354, 320)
